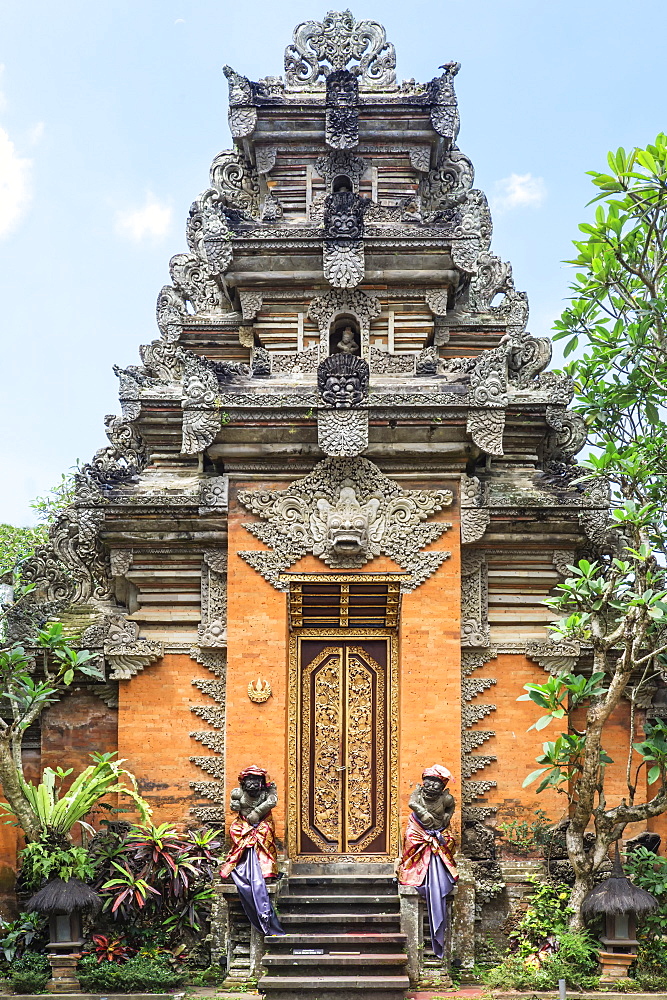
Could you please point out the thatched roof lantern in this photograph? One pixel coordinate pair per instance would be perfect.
(59, 896)
(617, 895)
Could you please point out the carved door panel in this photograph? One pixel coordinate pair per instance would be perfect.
(343, 737)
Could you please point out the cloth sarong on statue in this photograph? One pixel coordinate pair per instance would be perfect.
(251, 860)
(428, 865)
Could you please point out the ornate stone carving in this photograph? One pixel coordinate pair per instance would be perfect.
(201, 418)
(437, 298)
(212, 738)
(261, 363)
(162, 360)
(265, 158)
(119, 463)
(171, 311)
(446, 185)
(72, 565)
(420, 158)
(527, 357)
(427, 362)
(554, 657)
(339, 42)
(213, 492)
(444, 111)
(474, 600)
(301, 363)
(195, 280)
(562, 444)
(342, 115)
(212, 633)
(271, 209)
(384, 363)
(343, 262)
(120, 561)
(473, 232)
(492, 277)
(562, 558)
(242, 113)
(486, 428)
(346, 512)
(473, 524)
(324, 308)
(236, 182)
(340, 163)
(342, 380)
(342, 433)
(125, 651)
(488, 378)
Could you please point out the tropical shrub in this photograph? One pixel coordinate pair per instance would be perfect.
(139, 974)
(19, 934)
(30, 973)
(47, 858)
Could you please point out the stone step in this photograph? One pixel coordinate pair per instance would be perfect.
(333, 902)
(279, 962)
(339, 918)
(353, 869)
(334, 987)
(336, 941)
(300, 885)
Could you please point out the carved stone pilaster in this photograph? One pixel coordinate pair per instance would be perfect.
(212, 633)
(474, 600)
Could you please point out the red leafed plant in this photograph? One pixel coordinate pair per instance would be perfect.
(109, 949)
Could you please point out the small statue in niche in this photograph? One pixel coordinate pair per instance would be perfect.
(253, 857)
(348, 342)
(427, 862)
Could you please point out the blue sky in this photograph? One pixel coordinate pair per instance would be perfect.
(110, 113)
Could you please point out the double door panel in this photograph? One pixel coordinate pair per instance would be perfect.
(343, 744)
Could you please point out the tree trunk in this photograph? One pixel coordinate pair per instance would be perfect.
(11, 787)
(582, 885)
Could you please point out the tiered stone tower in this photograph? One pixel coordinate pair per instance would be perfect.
(340, 486)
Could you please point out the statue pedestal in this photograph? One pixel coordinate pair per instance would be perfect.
(235, 937)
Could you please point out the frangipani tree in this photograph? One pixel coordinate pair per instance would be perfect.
(615, 602)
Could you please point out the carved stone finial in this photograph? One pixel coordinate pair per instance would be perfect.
(339, 42)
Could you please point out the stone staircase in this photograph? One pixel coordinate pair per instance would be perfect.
(343, 939)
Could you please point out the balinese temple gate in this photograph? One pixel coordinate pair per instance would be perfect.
(320, 535)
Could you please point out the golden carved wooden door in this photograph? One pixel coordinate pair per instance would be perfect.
(343, 748)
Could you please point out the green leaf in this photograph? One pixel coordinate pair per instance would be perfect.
(68, 677)
(653, 775)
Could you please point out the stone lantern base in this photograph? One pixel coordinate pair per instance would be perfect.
(63, 974)
(615, 966)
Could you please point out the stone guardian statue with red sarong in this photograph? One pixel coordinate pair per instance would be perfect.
(427, 862)
(252, 857)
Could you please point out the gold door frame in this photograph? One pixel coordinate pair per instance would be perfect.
(294, 737)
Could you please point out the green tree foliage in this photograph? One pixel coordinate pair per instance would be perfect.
(615, 604)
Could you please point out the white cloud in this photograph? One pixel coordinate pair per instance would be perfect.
(179, 20)
(35, 133)
(3, 99)
(518, 191)
(152, 221)
(14, 184)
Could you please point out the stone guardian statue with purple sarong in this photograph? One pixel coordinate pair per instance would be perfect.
(252, 858)
(427, 862)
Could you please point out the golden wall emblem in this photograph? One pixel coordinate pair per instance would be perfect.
(259, 691)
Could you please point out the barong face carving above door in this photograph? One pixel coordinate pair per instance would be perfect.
(346, 512)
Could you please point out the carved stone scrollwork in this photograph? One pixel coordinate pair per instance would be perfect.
(195, 280)
(420, 158)
(265, 158)
(213, 492)
(554, 657)
(437, 299)
(384, 363)
(527, 357)
(162, 360)
(120, 462)
(444, 110)
(474, 600)
(212, 633)
(492, 277)
(486, 429)
(346, 512)
(342, 114)
(125, 651)
(563, 443)
(201, 416)
(242, 113)
(261, 363)
(342, 381)
(488, 378)
(427, 362)
(271, 210)
(318, 47)
(342, 433)
(120, 560)
(72, 565)
(446, 186)
(343, 263)
(234, 179)
(251, 303)
(473, 232)
(171, 311)
(473, 524)
(340, 163)
(212, 738)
